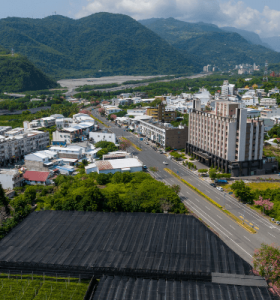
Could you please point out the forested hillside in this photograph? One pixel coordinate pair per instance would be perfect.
(18, 74)
(212, 45)
(97, 45)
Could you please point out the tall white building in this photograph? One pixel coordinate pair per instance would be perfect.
(227, 89)
(226, 138)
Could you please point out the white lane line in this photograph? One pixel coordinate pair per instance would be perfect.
(271, 235)
(219, 217)
(207, 207)
(246, 238)
(188, 193)
(232, 227)
(197, 199)
(228, 237)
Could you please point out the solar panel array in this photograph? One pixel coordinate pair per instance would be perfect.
(159, 242)
(125, 288)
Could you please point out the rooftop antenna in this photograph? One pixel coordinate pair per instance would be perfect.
(265, 78)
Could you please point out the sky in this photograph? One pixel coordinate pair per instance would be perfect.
(260, 16)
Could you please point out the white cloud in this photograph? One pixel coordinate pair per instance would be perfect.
(231, 13)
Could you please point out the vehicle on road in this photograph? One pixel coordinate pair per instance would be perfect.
(219, 188)
(221, 181)
(165, 163)
(144, 167)
(277, 222)
(213, 184)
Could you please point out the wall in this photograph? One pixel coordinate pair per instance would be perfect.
(100, 136)
(32, 165)
(6, 181)
(176, 138)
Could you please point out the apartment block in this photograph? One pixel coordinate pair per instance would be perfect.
(164, 135)
(14, 147)
(160, 114)
(226, 139)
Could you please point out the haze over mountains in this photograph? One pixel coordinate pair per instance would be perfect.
(113, 44)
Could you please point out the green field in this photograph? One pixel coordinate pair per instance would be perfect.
(50, 288)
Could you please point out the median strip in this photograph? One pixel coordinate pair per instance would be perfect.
(132, 144)
(99, 121)
(229, 214)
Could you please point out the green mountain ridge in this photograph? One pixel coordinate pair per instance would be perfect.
(97, 45)
(18, 74)
(212, 44)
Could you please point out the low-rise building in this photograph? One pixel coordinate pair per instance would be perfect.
(98, 136)
(164, 135)
(160, 114)
(40, 160)
(4, 129)
(115, 165)
(268, 102)
(10, 178)
(13, 148)
(35, 177)
(270, 112)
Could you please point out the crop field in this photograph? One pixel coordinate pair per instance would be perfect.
(29, 287)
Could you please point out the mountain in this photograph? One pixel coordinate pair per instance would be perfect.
(250, 36)
(100, 44)
(273, 42)
(174, 30)
(210, 44)
(18, 74)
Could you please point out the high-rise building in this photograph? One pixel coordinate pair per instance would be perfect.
(227, 89)
(226, 139)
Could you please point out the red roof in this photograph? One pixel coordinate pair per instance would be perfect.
(36, 176)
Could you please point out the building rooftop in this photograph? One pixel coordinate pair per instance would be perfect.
(9, 171)
(36, 176)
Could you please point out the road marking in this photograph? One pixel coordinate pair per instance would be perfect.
(257, 228)
(219, 217)
(196, 199)
(271, 234)
(226, 235)
(241, 217)
(251, 224)
(246, 238)
(207, 207)
(246, 221)
(232, 227)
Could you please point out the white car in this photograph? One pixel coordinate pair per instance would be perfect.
(165, 163)
(219, 188)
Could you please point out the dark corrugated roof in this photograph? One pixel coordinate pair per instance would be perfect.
(125, 288)
(134, 241)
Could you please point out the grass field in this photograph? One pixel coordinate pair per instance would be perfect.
(50, 288)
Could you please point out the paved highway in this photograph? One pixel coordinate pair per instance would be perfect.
(235, 236)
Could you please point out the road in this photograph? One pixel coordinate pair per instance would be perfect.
(236, 237)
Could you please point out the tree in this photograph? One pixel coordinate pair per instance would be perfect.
(264, 203)
(3, 199)
(242, 191)
(266, 262)
(212, 174)
(176, 188)
(101, 110)
(165, 205)
(102, 152)
(124, 144)
(113, 117)
(202, 170)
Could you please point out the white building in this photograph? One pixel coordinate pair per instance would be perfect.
(203, 95)
(10, 178)
(270, 112)
(268, 102)
(102, 136)
(40, 160)
(111, 109)
(63, 122)
(226, 138)
(227, 89)
(115, 165)
(4, 129)
(13, 148)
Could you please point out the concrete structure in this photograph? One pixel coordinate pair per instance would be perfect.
(63, 123)
(203, 95)
(115, 165)
(10, 178)
(40, 160)
(227, 139)
(13, 148)
(4, 129)
(75, 133)
(160, 114)
(102, 136)
(111, 109)
(227, 89)
(164, 135)
(268, 102)
(270, 113)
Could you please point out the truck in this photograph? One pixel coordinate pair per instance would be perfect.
(221, 181)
